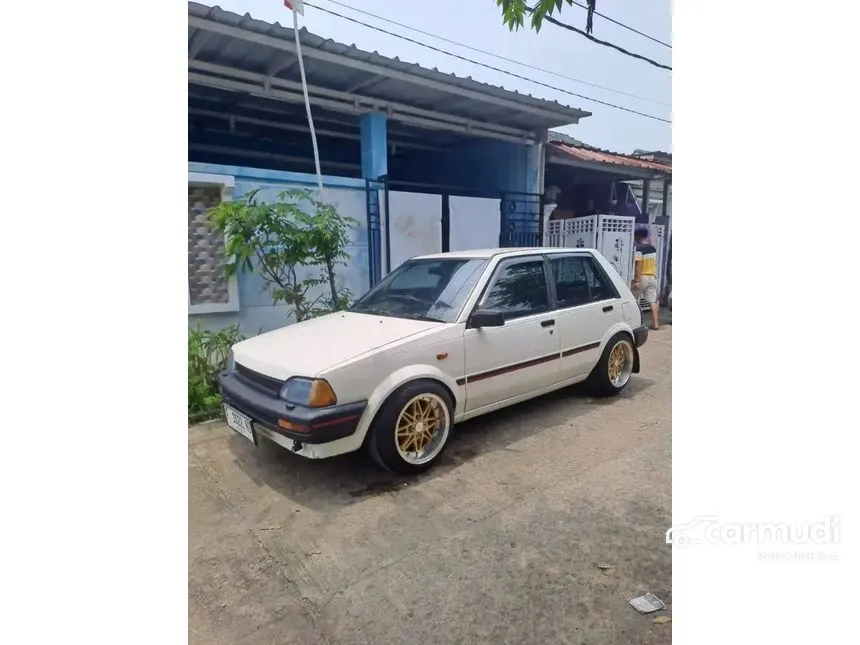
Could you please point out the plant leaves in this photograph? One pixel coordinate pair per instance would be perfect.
(296, 231)
(207, 358)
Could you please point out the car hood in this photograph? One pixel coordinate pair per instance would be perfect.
(309, 347)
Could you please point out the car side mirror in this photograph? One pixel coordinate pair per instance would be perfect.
(486, 318)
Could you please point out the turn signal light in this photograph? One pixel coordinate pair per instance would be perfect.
(321, 394)
(289, 425)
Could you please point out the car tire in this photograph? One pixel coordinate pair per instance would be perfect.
(411, 430)
(615, 367)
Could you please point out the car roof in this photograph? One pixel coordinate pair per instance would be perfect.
(483, 254)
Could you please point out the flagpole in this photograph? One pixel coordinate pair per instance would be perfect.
(296, 7)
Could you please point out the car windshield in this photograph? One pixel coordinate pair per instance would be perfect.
(423, 290)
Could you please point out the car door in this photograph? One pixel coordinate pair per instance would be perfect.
(522, 355)
(587, 305)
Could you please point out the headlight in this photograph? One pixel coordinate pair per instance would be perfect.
(231, 362)
(315, 392)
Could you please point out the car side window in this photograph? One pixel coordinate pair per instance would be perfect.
(578, 281)
(598, 284)
(518, 289)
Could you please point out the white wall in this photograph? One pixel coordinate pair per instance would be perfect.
(474, 223)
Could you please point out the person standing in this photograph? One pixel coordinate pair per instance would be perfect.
(645, 275)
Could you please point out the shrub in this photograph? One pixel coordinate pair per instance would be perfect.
(207, 357)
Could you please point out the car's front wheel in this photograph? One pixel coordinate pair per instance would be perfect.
(411, 430)
(615, 367)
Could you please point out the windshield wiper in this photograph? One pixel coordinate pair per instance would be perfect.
(391, 314)
(420, 317)
(372, 312)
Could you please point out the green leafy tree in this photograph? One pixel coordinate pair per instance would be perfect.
(279, 239)
(329, 235)
(515, 11)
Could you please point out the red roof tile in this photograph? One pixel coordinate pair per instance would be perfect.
(592, 155)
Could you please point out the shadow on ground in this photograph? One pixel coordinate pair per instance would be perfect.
(320, 484)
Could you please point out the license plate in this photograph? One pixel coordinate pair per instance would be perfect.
(240, 423)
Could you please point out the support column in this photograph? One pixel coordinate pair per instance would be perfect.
(541, 162)
(374, 169)
(534, 168)
(374, 145)
(646, 197)
(666, 183)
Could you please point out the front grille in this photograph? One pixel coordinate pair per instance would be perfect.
(260, 382)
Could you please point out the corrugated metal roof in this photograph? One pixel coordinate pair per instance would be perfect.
(605, 157)
(561, 137)
(653, 155)
(496, 105)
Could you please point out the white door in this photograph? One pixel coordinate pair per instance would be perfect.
(522, 355)
(588, 304)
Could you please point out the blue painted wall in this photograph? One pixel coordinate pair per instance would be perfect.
(484, 168)
(257, 312)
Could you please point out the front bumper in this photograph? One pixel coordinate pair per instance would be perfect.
(640, 335)
(304, 424)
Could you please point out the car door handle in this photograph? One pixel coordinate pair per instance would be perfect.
(608, 308)
(547, 323)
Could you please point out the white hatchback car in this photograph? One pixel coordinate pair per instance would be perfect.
(441, 339)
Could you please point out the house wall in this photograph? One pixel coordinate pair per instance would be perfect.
(482, 168)
(256, 311)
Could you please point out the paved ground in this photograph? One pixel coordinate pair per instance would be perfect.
(500, 544)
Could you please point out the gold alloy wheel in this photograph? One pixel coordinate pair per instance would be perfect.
(620, 363)
(422, 428)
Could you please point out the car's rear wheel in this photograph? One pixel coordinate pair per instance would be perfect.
(411, 431)
(615, 367)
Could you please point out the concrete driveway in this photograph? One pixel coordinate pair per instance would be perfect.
(499, 544)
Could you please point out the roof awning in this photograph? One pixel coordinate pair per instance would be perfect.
(240, 54)
(605, 161)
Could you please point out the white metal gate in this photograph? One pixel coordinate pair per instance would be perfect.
(416, 227)
(473, 223)
(615, 242)
(612, 235)
(578, 232)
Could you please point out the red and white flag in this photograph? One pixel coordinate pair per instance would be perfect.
(295, 5)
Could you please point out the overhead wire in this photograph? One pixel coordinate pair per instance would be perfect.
(494, 55)
(621, 24)
(491, 67)
(605, 43)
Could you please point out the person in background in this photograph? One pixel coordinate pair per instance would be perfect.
(645, 275)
